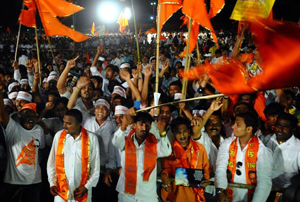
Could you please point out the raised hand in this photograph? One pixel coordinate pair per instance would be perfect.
(82, 81)
(125, 75)
(148, 71)
(216, 104)
(72, 63)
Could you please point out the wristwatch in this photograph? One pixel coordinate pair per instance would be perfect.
(163, 134)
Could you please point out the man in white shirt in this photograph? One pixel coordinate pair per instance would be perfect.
(23, 180)
(74, 162)
(140, 150)
(244, 159)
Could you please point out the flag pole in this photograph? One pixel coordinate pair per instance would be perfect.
(187, 63)
(18, 38)
(38, 52)
(135, 32)
(49, 42)
(157, 47)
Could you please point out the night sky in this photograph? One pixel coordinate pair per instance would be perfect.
(288, 10)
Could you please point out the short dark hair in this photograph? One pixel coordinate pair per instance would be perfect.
(176, 83)
(292, 119)
(62, 100)
(76, 114)
(250, 119)
(143, 117)
(273, 108)
(179, 121)
(97, 78)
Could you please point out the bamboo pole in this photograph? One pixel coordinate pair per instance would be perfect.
(50, 45)
(157, 47)
(182, 100)
(18, 38)
(135, 32)
(38, 52)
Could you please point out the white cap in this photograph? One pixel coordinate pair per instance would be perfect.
(24, 81)
(102, 102)
(102, 59)
(207, 55)
(53, 73)
(119, 109)
(125, 65)
(198, 113)
(52, 77)
(24, 96)
(177, 96)
(45, 80)
(13, 95)
(12, 85)
(8, 102)
(120, 91)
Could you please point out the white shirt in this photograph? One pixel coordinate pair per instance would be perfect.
(263, 168)
(145, 191)
(72, 161)
(18, 143)
(22, 60)
(286, 157)
(82, 108)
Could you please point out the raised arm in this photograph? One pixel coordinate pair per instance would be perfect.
(61, 83)
(147, 73)
(126, 76)
(96, 56)
(82, 81)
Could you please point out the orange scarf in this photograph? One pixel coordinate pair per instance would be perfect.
(180, 154)
(150, 157)
(63, 190)
(250, 164)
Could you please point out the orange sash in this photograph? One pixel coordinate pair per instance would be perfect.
(180, 154)
(150, 157)
(63, 190)
(250, 164)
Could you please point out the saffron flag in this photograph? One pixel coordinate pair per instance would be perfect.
(248, 10)
(193, 36)
(123, 22)
(27, 17)
(272, 38)
(215, 7)
(167, 9)
(49, 10)
(93, 29)
(151, 31)
(197, 11)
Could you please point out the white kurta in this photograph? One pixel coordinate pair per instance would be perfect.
(263, 168)
(72, 161)
(145, 191)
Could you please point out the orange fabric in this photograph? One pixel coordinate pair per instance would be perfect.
(196, 9)
(62, 187)
(215, 7)
(88, 60)
(27, 17)
(151, 31)
(247, 58)
(31, 106)
(49, 10)
(193, 36)
(27, 154)
(93, 29)
(140, 32)
(193, 157)
(240, 26)
(271, 15)
(167, 9)
(150, 157)
(123, 22)
(249, 162)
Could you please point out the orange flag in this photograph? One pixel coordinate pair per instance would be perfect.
(93, 29)
(167, 9)
(123, 22)
(193, 36)
(96, 33)
(151, 31)
(49, 10)
(197, 11)
(215, 7)
(27, 17)
(140, 32)
(8, 30)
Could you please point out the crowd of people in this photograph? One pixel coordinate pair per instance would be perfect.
(75, 127)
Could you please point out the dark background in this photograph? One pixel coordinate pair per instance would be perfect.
(287, 10)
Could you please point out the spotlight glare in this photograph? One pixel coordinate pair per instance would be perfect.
(127, 13)
(108, 12)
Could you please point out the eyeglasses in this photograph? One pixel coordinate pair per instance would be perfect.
(238, 165)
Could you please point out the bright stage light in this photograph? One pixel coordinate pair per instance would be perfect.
(151, 18)
(127, 13)
(108, 12)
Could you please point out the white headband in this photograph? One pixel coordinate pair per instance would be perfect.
(12, 85)
(102, 102)
(119, 109)
(52, 77)
(24, 81)
(125, 65)
(24, 96)
(45, 80)
(53, 73)
(102, 59)
(8, 102)
(120, 91)
(177, 96)
(13, 95)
